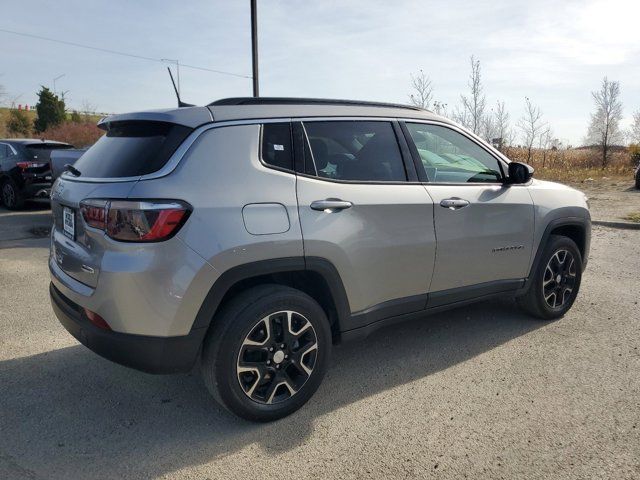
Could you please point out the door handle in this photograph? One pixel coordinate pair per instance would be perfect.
(330, 205)
(454, 203)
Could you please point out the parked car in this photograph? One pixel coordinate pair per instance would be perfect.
(252, 234)
(25, 171)
(637, 175)
(61, 158)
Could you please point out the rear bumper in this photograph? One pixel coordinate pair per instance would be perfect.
(145, 353)
(36, 190)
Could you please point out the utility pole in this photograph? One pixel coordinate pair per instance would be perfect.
(54, 82)
(254, 46)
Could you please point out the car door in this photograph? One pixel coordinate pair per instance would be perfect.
(358, 211)
(484, 227)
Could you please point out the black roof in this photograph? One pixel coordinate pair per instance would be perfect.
(304, 101)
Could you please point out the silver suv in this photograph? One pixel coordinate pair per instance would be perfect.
(252, 234)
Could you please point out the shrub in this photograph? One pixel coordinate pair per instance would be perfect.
(18, 123)
(81, 135)
(634, 153)
(50, 110)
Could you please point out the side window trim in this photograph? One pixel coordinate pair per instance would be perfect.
(416, 156)
(300, 137)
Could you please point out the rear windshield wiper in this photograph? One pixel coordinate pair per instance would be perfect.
(72, 170)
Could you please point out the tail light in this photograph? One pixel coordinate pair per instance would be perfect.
(135, 221)
(26, 165)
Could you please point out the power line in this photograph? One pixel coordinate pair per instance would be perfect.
(123, 54)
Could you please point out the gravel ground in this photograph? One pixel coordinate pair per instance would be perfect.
(611, 200)
(478, 392)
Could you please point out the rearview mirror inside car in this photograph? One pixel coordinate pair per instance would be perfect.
(519, 173)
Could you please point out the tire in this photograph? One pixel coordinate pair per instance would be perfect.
(241, 371)
(10, 195)
(546, 298)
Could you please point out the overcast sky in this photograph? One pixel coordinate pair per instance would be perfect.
(555, 52)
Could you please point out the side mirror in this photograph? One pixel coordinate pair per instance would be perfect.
(519, 173)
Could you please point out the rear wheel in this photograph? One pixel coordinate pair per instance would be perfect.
(556, 282)
(10, 195)
(267, 352)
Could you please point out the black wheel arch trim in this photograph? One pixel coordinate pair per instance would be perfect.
(583, 222)
(246, 271)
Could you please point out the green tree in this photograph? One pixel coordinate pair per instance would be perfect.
(50, 110)
(18, 123)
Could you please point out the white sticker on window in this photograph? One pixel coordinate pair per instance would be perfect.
(278, 147)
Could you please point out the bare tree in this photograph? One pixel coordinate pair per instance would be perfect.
(544, 143)
(634, 131)
(440, 108)
(604, 129)
(531, 125)
(87, 110)
(475, 103)
(422, 90)
(502, 127)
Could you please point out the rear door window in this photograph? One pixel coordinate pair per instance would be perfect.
(132, 148)
(356, 151)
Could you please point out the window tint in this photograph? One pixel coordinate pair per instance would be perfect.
(276, 145)
(355, 150)
(449, 157)
(4, 151)
(132, 148)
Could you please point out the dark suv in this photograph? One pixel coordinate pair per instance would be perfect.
(25, 171)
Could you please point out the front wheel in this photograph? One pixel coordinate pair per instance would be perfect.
(267, 352)
(556, 281)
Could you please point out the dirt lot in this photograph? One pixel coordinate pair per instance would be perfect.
(611, 199)
(479, 392)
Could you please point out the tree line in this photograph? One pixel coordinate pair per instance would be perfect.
(532, 130)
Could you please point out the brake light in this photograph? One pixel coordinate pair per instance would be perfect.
(135, 221)
(94, 213)
(26, 165)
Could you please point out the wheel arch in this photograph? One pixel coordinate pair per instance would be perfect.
(317, 277)
(577, 229)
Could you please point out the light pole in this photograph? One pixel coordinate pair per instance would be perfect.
(54, 82)
(177, 63)
(254, 46)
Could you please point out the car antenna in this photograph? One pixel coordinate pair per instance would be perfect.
(180, 102)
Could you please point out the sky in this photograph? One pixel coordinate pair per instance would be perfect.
(554, 52)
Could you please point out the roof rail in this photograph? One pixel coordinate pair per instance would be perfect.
(304, 101)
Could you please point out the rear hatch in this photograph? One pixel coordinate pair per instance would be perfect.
(107, 171)
(38, 166)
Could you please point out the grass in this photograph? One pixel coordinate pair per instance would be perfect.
(31, 114)
(632, 217)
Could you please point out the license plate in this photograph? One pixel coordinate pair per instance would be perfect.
(48, 177)
(69, 222)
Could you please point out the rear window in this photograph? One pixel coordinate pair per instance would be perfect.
(130, 149)
(42, 151)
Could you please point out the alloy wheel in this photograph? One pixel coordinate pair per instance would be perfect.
(559, 279)
(277, 357)
(8, 194)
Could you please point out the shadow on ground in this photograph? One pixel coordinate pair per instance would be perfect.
(68, 411)
(32, 221)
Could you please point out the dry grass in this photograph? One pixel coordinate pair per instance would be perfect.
(632, 217)
(575, 166)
